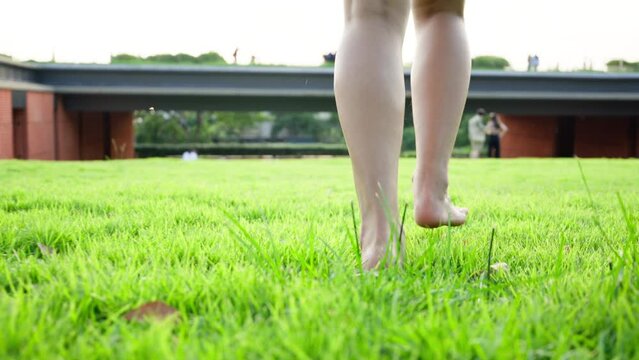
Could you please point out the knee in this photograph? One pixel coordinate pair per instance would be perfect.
(391, 12)
(424, 9)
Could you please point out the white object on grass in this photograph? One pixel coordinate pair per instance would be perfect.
(189, 156)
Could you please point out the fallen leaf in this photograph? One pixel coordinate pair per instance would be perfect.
(152, 310)
(45, 250)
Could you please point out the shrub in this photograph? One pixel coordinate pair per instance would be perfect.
(490, 63)
(620, 65)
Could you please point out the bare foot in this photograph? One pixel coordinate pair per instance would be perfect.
(379, 247)
(433, 207)
(432, 213)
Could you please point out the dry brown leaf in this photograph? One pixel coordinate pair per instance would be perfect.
(152, 310)
(45, 250)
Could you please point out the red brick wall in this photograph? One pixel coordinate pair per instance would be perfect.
(67, 133)
(91, 136)
(604, 137)
(40, 126)
(6, 125)
(529, 136)
(122, 139)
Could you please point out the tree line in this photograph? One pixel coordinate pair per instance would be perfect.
(178, 127)
(209, 58)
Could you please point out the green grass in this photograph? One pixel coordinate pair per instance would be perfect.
(277, 277)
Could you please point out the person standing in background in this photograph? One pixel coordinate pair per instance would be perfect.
(476, 133)
(495, 130)
(535, 63)
(235, 55)
(530, 63)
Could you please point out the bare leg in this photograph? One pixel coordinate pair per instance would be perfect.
(440, 79)
(369, 89)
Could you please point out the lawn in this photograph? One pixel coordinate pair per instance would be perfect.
(258, 258)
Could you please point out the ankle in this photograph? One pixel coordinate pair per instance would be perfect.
(431, 188)
(381, 245)
(377, 230)
(379, 217)
(432, 172)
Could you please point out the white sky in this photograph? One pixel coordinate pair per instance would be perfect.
(567, 33)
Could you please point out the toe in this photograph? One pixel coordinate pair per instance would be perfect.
(458, 217)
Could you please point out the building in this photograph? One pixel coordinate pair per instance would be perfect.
(84, 112)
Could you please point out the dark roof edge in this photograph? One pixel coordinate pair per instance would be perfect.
(232, 69)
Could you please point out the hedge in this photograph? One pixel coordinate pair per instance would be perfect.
(258, 149)
(241, 149)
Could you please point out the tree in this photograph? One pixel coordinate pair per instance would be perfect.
(319, 127)
(158, 127)
(177, 127)
(229, 125)
(211, 58)
(295, 125)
